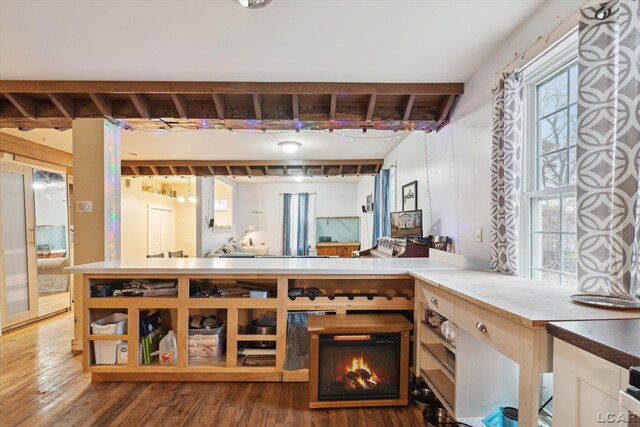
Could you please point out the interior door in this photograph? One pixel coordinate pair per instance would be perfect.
(19, 292)
(161, 230)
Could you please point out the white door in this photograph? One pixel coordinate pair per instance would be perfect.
(161, 230)
(19, 292)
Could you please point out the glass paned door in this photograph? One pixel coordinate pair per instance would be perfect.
(18, 297)
(52, 240)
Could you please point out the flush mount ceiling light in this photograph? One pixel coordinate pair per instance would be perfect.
(299, 178)
(289, 146)
(254, 4)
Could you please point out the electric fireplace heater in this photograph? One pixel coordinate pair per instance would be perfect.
(358, 364)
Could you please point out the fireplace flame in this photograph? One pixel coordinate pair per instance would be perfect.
(360, 372)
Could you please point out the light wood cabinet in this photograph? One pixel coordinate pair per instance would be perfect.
(586, 389)
(339, 249)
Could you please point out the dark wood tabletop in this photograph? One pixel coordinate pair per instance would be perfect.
(617, 341)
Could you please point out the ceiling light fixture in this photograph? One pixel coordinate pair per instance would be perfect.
(188, 195)
(254, 4)
(289, 146)
(299, 178)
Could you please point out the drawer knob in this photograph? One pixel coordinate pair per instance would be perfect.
(434, 300)
(481, 327)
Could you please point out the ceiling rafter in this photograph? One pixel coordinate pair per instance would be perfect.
(64, 103)
(238, 105)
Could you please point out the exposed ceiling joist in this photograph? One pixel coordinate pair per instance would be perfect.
(408, 105)
(143, 105)
(26, 105)
(181, 105)
(64, 103)
(103, 103)
(220, 106)
(164, 105)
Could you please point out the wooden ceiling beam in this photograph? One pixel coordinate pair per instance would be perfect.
(444, 107)
(211, 170)
(295, 104)
(21, 147)
(218, 100)
(103, 103)
(408, 105)
(371, 107)
(64, 103)
(173, 170)
(265, 88)
(154, 170)
(257, 106)
(25, 104)
(135, 170)
(181, 105)
(142, 104)
(332, 107)
(192, 170)
(228, 170)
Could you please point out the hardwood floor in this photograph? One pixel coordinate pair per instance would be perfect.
(42, 384)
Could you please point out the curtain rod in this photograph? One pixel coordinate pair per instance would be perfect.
(558, 33)
(293, 194)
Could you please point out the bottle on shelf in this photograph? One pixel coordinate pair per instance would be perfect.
(169, 349)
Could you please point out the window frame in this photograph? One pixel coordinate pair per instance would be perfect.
(232, 200)
(558, 57)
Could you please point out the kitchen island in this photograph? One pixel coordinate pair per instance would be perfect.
(501, 319)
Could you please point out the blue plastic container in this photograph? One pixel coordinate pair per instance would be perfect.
(502, 417)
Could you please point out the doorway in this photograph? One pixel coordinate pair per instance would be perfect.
(34, 244)
(161, 230)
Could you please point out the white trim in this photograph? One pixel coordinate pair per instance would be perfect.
(563, 53)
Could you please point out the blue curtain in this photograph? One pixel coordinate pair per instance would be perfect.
(303, 224)
(386, 203)
(376, 211)
(286, 224)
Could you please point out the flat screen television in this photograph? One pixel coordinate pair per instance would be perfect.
(406, 223)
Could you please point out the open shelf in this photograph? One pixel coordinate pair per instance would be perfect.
(355, 303)
(230, 288)
(437, 335)
(442, 386)
(439, 352)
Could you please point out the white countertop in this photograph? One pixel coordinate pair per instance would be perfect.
(345, 266)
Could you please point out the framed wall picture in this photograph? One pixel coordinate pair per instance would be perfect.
(410, 196)
(370, 203)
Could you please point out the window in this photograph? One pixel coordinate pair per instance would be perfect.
(222, 205)
(549, 204)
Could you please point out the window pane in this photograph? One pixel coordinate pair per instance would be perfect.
(573, 121)
(553, 132)
(547, 277)
(223, 205)
(553, 169)
(569, 214)
(573, 84)
(546, 215)
(546, 251)
(553, 95)
(572, 165)
(569, 253)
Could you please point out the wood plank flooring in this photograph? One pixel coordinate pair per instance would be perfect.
(42, 384)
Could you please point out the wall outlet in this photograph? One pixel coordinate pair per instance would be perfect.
(479, 235)
(84, 206)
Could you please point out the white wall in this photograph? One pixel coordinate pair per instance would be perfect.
(134, 220)
(260, 205)
(459, 156)
(365, 187)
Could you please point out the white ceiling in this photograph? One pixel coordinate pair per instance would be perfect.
(289, 40)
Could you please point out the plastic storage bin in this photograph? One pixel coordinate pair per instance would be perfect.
(206, 344)
(113, 324)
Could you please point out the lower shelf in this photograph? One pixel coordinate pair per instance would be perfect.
(442, 386)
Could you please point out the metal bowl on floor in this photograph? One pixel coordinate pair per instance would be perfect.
(437, 417)
(424, 398)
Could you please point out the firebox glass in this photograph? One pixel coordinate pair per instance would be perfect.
(354, 367)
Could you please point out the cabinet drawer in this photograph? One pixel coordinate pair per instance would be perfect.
(437, 300)
(500, 333)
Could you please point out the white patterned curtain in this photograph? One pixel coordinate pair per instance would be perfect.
(608, 148)
(506, 178)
